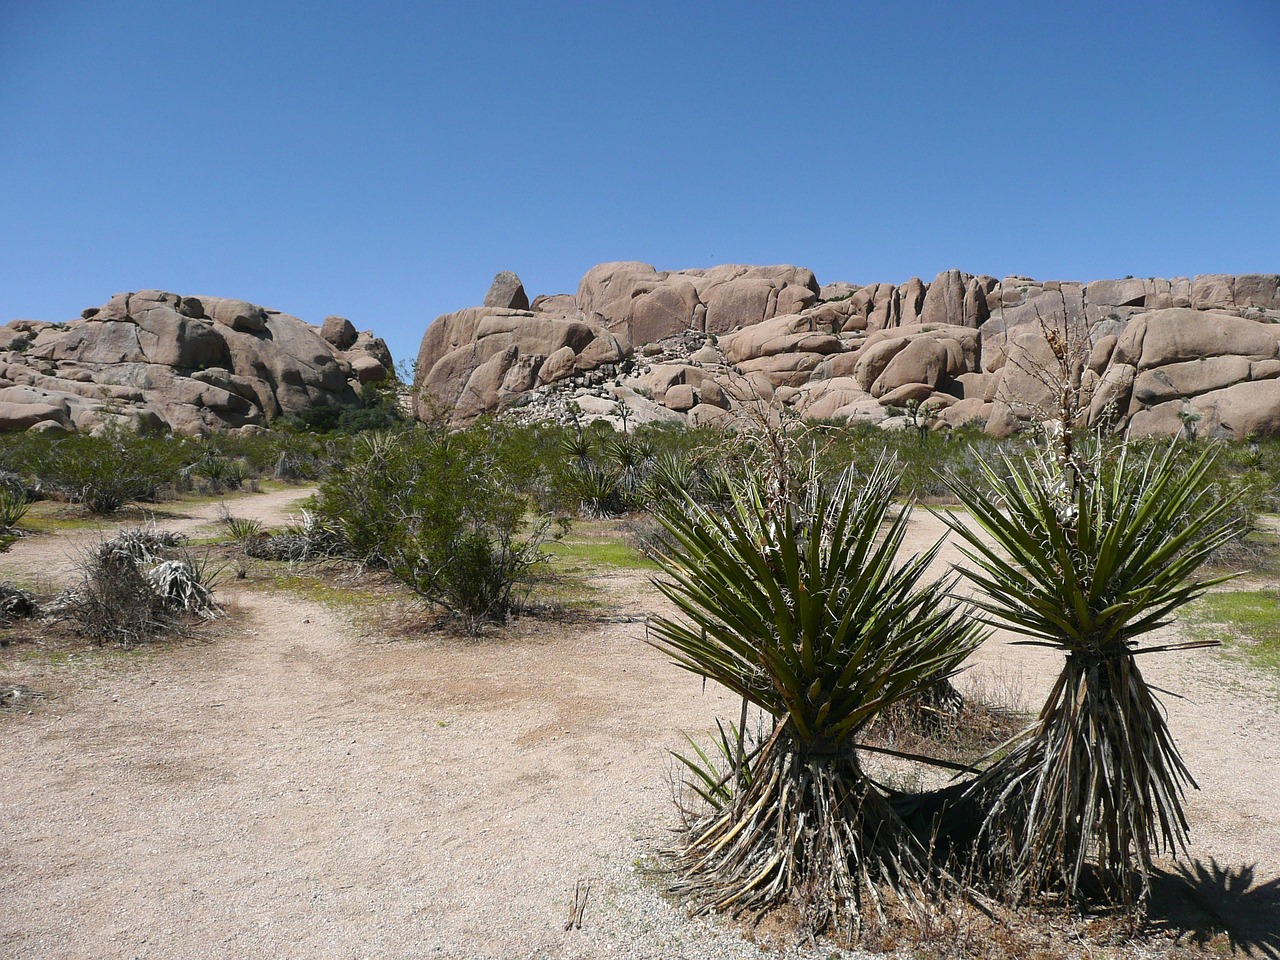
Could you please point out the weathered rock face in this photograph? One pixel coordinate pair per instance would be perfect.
(192, 364)
(696, 345)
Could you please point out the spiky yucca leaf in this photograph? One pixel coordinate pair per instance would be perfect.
(1088, 563)
(806, 611)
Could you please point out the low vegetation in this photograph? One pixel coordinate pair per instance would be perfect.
(782, 555)
(1251, 619)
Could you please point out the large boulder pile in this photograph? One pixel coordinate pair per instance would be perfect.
(193, 365)
(696, 346)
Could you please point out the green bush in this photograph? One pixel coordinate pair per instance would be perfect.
(442, 514)
(104, 473)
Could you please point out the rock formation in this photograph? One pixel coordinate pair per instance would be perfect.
(190, 364)
(1159, 356)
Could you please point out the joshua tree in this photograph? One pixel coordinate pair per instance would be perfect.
(805, 610)
(1086, 552)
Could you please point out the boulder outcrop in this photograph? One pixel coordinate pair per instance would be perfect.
(1154, 355)
(194, 365)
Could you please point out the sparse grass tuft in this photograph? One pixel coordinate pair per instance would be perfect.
(1252, 619)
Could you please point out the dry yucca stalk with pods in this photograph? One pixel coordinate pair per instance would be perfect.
(802, 607)
(1086, 551)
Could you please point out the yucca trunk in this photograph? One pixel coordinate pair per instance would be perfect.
(1098, 778)
(809, 828)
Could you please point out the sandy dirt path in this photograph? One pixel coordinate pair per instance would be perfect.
(301, 788)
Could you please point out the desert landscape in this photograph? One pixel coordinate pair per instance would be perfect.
(326, 769)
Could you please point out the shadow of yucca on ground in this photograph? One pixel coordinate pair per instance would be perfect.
(1209, 903)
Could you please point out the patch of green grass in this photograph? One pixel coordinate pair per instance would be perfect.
(570, 594)
(1252, 622)
(597, 546)
(50, 516)
(355, 597)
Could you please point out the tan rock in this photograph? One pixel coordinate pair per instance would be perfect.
(922, 361)
(233, 314)
(21, 416)
(788, 369)
(480, 393)
(507, 292)
(1180, 334)
(1257, 290)
(605, 348)
(1100, 355)
(1241, 411)
(962, 413)
(944, 303)
(1162, 420)
(1111, 398)
(1213, 291)
(874, 357)
(907, 393)
(706, 415)
(558, 366)
(338, 331)
(979, 386)
(911, 299)
(1264, 369)
(562, 305)
(1171, 381)
(680, 397)
(822, 399)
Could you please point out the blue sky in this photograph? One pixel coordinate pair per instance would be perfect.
(383, 161)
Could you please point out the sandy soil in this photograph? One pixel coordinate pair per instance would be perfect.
(303, 787)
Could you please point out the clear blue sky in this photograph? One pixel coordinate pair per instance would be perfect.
(383, 160)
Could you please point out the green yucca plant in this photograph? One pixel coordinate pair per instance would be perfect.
(1086, 554)
(805, 610)
(13, 506)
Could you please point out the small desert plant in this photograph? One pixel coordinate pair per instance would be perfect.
(805, 609)
(114, 602)
(13, 506)
(185, 585)
(141, 546)
(241, 529)
(1088, 552)
(309, 537)
(15, 604)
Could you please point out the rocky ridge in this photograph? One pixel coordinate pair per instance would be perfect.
(1158, 356)
(193, 365)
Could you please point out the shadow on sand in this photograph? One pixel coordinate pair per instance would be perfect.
(1202, 901)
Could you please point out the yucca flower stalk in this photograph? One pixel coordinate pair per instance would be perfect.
(805, 610)
(1087, 555)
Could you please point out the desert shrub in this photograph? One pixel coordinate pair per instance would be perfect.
(439, 511)
(185, 585)
(114, 602)
(15, 603)
(106, 472)
(311, 537)
(133, 588)
(141, 545)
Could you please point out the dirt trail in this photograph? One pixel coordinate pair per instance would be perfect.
(300, 788)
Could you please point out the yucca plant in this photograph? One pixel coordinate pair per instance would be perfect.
(1086, 554)
(13, 506)
(186, 585)
(805, 610)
